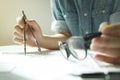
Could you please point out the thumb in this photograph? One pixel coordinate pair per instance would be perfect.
(110, 29)
(103, 26)
(33, 24)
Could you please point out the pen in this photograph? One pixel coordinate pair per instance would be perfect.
(24, 20)
(93, 75)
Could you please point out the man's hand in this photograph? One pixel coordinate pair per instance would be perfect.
(18, 32)
(108, 44)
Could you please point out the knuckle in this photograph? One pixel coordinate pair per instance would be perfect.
(14, 39)
(16, 26)
(14, 33)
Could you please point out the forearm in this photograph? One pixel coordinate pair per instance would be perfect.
(51, 41)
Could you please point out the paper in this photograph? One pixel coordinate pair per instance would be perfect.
(52, 64)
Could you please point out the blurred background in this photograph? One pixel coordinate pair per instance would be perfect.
(34, 9)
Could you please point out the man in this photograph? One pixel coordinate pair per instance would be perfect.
(75, 18)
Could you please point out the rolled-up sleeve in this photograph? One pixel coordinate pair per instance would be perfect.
(58, 24)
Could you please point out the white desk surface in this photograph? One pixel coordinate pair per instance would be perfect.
(50, 65)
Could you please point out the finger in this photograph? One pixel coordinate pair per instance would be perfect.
(17, 35)
(106, 41)
(107, 47)
(33, 24)
(103, 26)
(18, 30)
(108, 59)
(17, 40)
(108, 51)
(110, 29)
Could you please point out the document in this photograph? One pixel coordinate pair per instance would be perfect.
(34, 66)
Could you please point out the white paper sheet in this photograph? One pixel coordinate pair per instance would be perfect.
(51, 66)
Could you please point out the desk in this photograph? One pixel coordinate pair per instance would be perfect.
(50, 65)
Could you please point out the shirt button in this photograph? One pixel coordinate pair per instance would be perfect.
(65, 16)
(85, 14)
(103, 11)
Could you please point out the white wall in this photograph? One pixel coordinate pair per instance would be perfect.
(34, 9)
